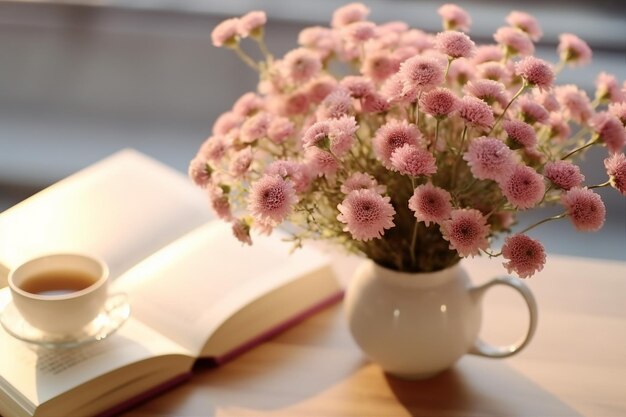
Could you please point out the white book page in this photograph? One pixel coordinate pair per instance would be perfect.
(37, 375)
(123, 209)
(186, 290)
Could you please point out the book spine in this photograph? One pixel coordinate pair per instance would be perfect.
(152, 392)
(278, 329)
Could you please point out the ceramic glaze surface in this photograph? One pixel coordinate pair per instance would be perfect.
(417, 325)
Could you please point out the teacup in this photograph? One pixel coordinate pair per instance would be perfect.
(60, 293)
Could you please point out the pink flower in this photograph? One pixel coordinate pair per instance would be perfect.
(421, 73)
(531, 111)
(241, 231)
(255, 127)
(374, 103)
(220, 203)
(525, 23)
(584, 208)
(200, 171)
(492, 71)
(320, 88)
(393, 90)
(251, 23)
(321, 162)
(350, 13)
(535, 71)
(225, 33)
(296, 172)
(366, 214)
(476, 113)
(393, 135)
(317, 38)
(514, 40)
(547, 100)
(247, 104)
(439, 102)
(521, 135)
(430, 204)
(573, 50)
(414, 161)
(358, 32)
(489, 158)
(563, 174)
(455, 44)
(609, 130)
(575, 103)
(280, 129)
(487, 90)
(295, 104)
(341, 133)
(241, 162)
(361, 180)
(467, 232)
(358, 86)
(226, 122)
(487, 53)
(335, 105)
(379, 66)
(616, 169)
(271, 199)
(524, 188)
(214, 148)
(559, 128)
(317, 134)
(608, 89)
(454, 17)
(618, 110)
(301, 65)
(526, 255)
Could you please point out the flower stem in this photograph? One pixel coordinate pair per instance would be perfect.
(548, 219)
(604, 184)
(245, 58)
(585, 146)
(445, 75)
(519, 92)
(458, 158)
(414, 236)
(434, 144)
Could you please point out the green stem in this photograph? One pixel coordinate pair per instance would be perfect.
(414, 236)
(434, 145)
(548, 219)
(604, 184)
(445, 75)
(458, 158)
(245, 57)
(519, 92)
(585, 146)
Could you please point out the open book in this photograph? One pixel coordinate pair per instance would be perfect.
(195, 291)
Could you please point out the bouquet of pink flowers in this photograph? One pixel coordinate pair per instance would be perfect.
(410, 148)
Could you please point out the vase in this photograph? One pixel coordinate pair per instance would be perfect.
(416, 325)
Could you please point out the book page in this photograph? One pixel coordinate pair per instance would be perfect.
(33, 375)
(189, 288)
(122, 209)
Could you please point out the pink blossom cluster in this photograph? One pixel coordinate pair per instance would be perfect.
(424, 151)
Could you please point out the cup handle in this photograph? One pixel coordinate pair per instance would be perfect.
(482, 348)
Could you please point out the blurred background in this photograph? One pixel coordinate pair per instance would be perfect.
(80, 80)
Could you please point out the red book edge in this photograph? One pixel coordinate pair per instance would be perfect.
(216, 361)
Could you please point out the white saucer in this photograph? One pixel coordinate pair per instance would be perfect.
(115, 312)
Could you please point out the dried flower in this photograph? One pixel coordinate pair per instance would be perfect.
(526, 256)
(366, 214)
(478, 130)
(584, 208)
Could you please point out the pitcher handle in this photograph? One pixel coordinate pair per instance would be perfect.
(482, 348)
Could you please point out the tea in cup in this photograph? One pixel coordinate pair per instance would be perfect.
(60, 293)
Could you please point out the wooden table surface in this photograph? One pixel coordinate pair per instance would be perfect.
(575, 365)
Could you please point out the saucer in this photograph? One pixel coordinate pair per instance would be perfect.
(115, 312)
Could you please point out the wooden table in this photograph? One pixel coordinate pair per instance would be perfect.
(575, 366)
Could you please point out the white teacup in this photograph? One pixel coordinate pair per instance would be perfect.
(60, 293)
